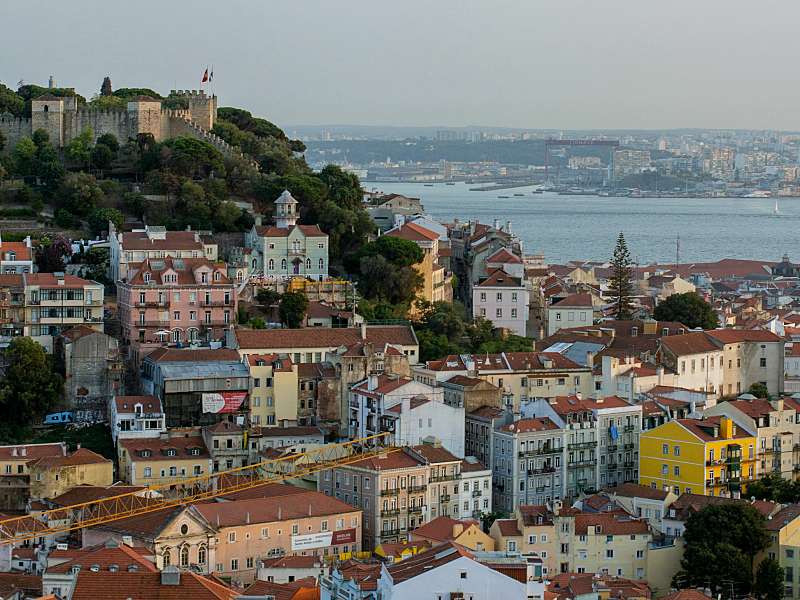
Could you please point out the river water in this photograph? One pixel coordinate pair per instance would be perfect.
(586, 227)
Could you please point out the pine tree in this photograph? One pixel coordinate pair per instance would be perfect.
(621, 283)
(105, 89)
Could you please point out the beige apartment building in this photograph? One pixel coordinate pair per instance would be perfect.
(529, 531)
(750, 356)
(398, 491)
(302, 524)
(521, 375)
(167, 459)
(273, 390)
(51, 476)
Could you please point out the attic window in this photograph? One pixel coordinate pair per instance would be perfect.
(144, 453)
(147, 277)
(216, 276)
(171, 452)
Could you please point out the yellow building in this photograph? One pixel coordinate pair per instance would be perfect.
(436, 281)
(784, 532)
(445, 529)
(51, 476)
(163, 460)
(699, 456)
(273, 390)
(530, 530)
(14, 459)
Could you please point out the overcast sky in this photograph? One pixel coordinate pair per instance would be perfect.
(521, 63)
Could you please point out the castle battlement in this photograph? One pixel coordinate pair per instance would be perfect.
(15, 121)
(190, 93)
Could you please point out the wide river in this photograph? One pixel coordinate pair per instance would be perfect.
(586, 227)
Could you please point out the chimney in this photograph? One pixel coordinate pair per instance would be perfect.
(170, 575)
(508, 226)
(496, 224)
(247, 518)
(364, 331)
(777, 404)
(660, 374)
(726, 427)
(372, 382)
(590, 359)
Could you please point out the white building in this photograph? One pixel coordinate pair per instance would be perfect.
(450, 571)
(573, 311)
(16, 257)
(287, 249)
(410, 410)
(503, 300)
(475, 491)
(136, 417)
(791, 368)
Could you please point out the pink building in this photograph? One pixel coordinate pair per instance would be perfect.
(172, 300)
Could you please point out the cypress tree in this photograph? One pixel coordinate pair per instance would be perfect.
(105, 89)
(621, 283)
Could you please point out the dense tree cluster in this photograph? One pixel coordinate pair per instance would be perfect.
(30, 388)
(689, 309)
(721, 545)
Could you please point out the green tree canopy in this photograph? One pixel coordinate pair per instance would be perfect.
(621, 283)
(11, 102)
(79, 149)
(99, 218)
(30, 387)
(769, 580)
(689, 309)
(721, 542)
(80, 194)
(292, 309)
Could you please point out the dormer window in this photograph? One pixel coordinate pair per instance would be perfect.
(216, 276)
(147, 277)
(12, 255)
(145, 453)
(171, 452)
(194, 451)
(203, 277)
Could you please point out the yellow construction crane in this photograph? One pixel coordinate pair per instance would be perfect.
(187, 491)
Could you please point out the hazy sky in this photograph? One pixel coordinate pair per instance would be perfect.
(522, 63)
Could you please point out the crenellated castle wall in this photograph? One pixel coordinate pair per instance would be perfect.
(64, 122)
(14, 129)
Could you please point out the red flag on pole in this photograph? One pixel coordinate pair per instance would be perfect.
(205, 76)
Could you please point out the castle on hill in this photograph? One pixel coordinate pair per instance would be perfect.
(63, 120)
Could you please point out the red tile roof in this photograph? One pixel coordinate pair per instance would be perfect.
(32, 451)
(158, 448)
(106, 585)
(528, 425)
(634, 490)
(193, 355)
(535, 514)
(323, 337)
(295, 431)
(499, 278)
(184, 269)
(90, 493)
(273, 509)
(413, 232)
(435, 454)
(426, 561)
(366, 575)
(735, 336)
(19, 248)
(268, 231)
(690, 343)
(300, 589)
(611, 523)
(50, 280)
(487, 412)
(396, 459)
(508, 527)
(104, 557)
(783, 517)
(442, 529)
(472, 465)
(126, 404)
(576, 301)
(701, 429)
(81, 456)
(505, 257)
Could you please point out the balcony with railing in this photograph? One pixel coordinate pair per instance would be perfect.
(416, 510)
(415, 489)
(580, 463)
(442, 477)
(581, 445)
(389, 532)
(629, 428)
(390, 512)
(444, 497)
(215, 302)
(390, 492)
(477, 493)
(152, 304)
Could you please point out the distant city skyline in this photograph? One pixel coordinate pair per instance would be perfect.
(567, 65)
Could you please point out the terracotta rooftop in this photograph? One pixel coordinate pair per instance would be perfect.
(425, 561)
(106, 585)
(503, 256)
(689, 343)
(487, 412)
(734, 336)
(293, 562)
(323, 337)
(508, 527)
(472, 465)
(529, 425)
(499, 278)
(575, 301)
(90, 493)
(783, 517)
(466, 381)
(127, 404)
(24, 452)
(105, 557)
(158, 448)
(268, 231)
(611, 523)
(299, 589)
(273, 509)
(435, 454)
(701, 428)
(634, 490)
(686, 504)
(535, 514)
(51, 280)
(174, 240)
(186, 271)
(413, 232)
(366, 575)
(81, 456)
(442, 529)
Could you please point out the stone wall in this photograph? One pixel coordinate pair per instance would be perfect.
(14, 129)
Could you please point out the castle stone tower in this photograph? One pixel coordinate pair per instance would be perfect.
(203, 109)
(285, 211)
(145, 115)
(47, 112)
